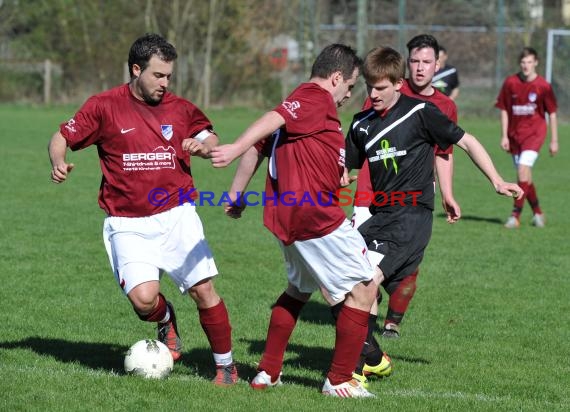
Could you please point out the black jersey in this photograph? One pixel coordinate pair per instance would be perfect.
(446, 79)
(399, 146)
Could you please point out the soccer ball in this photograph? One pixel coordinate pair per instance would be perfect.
(149, 358)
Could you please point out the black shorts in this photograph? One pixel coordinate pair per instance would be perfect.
(401, 236)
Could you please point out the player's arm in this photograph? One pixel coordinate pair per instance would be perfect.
(57, 149)
(247, 166)
(210, 142)
(223, 155)
(481, 158)
(444, 171)
(201, 144)
(553, 148)
(504, 130)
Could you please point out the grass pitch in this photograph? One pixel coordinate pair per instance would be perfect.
(487, 329)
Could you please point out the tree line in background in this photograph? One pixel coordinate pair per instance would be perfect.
(218, 42)
(235, 52)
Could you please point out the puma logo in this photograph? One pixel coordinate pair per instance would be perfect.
(365, 130)
(377, 244)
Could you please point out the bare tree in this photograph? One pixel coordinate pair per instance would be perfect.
(208, 54)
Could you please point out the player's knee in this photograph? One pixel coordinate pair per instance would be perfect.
(204, 294)
(143, 299)
(409, 288)
(362, 296)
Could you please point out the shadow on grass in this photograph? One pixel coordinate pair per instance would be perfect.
(493, 220)
(315, 358)
(109, 357)
(93, 355)
(104, 356)
(199, 362)
(320, 314)
(317, 313)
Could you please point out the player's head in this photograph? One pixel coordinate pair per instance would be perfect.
(340, 64)
(383, 70)
(423, 41)
(423, 54)
(383, 63)
(528, 60)
(336, 58)
(151, 60)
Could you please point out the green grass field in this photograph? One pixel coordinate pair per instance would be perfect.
(488, 328)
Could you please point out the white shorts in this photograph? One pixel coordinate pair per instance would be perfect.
(337, 262)
(172, 241)
(360, 214)
(526, 158)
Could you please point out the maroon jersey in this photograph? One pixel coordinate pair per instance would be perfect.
(144, 168)
(443, 103)
(305, 166)
(526, 104)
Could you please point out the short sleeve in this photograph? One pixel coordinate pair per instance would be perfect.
(82, 130)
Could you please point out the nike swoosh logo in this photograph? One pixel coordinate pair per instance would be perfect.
(123, 131)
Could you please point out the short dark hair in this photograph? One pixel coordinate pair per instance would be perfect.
(383, 63)
(528, 51)
(336, 58)
(147, 46)
(423, 41)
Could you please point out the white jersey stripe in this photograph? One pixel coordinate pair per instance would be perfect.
(364, 118)
(393, 125)
(443, 74)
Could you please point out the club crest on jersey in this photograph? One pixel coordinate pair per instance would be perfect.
(532, 96)
(167, 131)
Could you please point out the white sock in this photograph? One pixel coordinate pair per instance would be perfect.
(223, 359)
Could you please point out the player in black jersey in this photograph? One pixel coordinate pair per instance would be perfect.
(397, 136)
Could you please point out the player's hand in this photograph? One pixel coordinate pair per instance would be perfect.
(222, 156)
(235, 208)
(345, 179)
(195, 147)
(553, 148)
(509, 189)
(234, 211)
(452, 209)
(60, 171)
(505, 145)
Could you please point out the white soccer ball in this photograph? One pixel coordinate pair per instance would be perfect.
(149, 358)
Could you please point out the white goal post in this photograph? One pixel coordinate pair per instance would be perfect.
(550, 49)
(557, 73)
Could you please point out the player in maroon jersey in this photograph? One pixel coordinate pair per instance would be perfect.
(144, 135)
(524, 100)
(305, 144)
